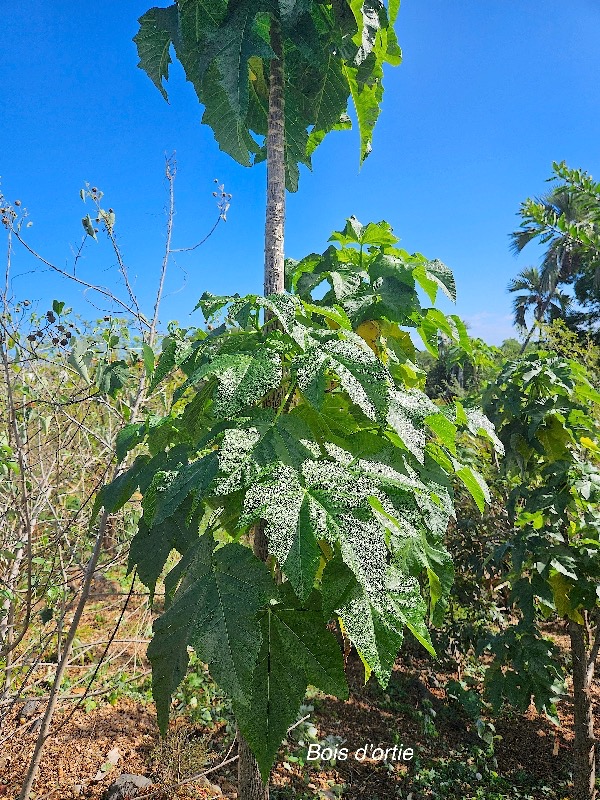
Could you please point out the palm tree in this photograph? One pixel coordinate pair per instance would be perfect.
(547, 304)
(552, 220)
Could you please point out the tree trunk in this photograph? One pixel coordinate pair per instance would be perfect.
(275, 216)
(527, 340)
(250, 785)
(584, 772)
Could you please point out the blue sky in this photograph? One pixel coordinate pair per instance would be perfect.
(489, 94)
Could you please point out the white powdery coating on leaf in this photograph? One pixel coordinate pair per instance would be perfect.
(245, 383)
(313, 447)
(284, 305)
(407, 410)
(415, 403)
(384, 471)
(311, 364)
(358, 622)
(437, 515)
(349, 491)
(235, 460)
(338, 453)
(407, 514)
(366, 369)
(333, 491)
(278, 502)
(405, 588)
(479, 422)
(365, 552)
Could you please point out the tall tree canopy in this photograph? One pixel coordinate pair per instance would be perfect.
(331, 51)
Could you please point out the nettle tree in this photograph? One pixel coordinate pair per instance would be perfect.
(546, 412)
(351, 474)
(285, 399)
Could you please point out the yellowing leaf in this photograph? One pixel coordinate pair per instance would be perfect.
(560, 590)
(589, 445)
(370, 331)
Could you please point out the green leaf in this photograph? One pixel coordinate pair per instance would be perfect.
(231, 585)
(114, 495)
(444, 428)
(152, 544)
(480, 425)
(80, 357)
(140, 475)
(475, 485)
(407, 605)
(149, 358)
(331, 99)
(291, 635)
(224, 48)
(338, 586)
(174, 352)
(195, 477)
(167, 653)
(337, 315)
(239, 39)
(367, 97)
(215, 611)
(111, 378)
(158, 28)
(309, 644)
(231, 132)
(275, 697)
(128, 437)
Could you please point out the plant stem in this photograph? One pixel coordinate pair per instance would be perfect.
(250, 784)
(275, 213)
(584, 772)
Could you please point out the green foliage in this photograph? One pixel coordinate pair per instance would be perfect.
(310, 429)
(525, 666)
(545, 409)
(332, 51)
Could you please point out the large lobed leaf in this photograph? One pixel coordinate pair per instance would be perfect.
(215, 611)
(293, 636)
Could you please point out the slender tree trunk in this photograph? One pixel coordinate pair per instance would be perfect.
(528, 338)
(250, 785)
(584, 772)
(275, 216)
